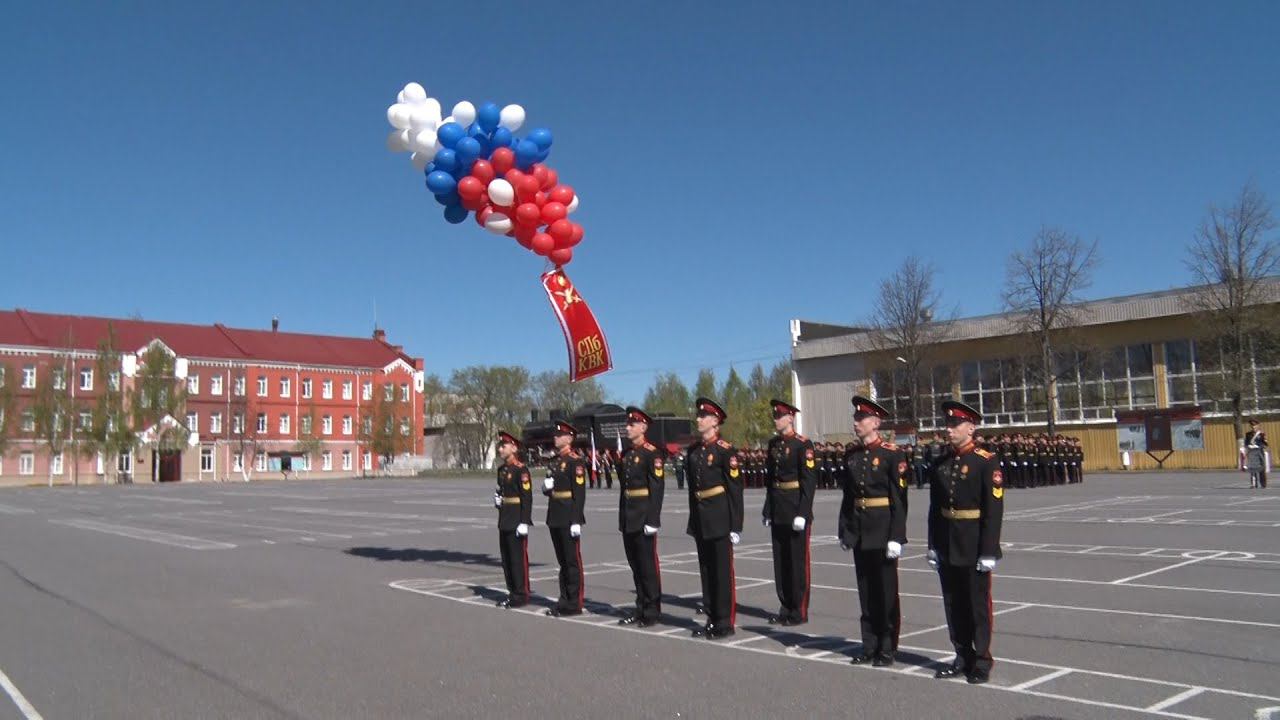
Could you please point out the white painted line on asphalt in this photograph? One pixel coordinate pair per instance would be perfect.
(743, 641)
(1175, 699)
(155, 536)
(1042, 679)
(1175, 566)
(24, 706)
(11, 510)
(231, 523)
(1015, 608)
(184, 501)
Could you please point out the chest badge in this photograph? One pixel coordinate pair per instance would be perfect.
(964, 469)
(657, 467)
(875, 463)
(808, 459)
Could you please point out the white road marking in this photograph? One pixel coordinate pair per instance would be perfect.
(1175, 566)
(1175, 699)
(155, 536)
(184, 501)
(24, 706)
(11, 510)
(212, 521)
(1041, 680)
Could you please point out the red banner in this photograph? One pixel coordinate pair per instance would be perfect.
(588, 350)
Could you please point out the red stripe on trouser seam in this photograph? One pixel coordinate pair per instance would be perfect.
(582, 578)
(524, 542)
(991, 618)
(804, 597)
(657, 571)
(733, 590)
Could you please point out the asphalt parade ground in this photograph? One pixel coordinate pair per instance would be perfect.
(1127, 596)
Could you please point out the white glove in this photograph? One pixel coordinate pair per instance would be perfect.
(522, 529)
(497, 500)
(735, 538)
(798, 524)
(548, 483)
(893, 550)
(986, 564)
(650, 530)
(932, 557)
(575, 530)
(765, 521)
(844, 547)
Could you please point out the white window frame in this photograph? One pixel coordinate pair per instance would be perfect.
(404, 427)
(326, 425)
(326, 390)
(368, 461)
(237, 462)
(284, 424)
(347, 425)
(346, 459)
(56, 464)
(326, 460)
(262, 386)
(237, 387)
(28, 423)
(389, 392)
(262, 422)
(348, 387)
(304, 424)
(28, 377)
(404, 392)
(86, 379)
(193, 422)
(237, 424)
(27, 463)
(86, 420)
(113, 380)
(215, 423)
(285, 387)
(306, 388)
(260, 462)
(215, 385)
(193, 384)
(59, 376)
(206, 453)
(366, 391)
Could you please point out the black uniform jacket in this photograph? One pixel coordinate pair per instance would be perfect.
(791, 476)
(873, 475)
(568, 497)
(966, 507)
(640, 502)
(714, 513)
(516, 490)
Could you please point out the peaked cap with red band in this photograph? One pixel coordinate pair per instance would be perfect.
(564, 428)
(865, 407)
(709, 407)
(506, 437)
(781, 408)
(956, 411)
(636, 415)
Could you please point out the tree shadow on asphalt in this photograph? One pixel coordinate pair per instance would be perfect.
(792, 639)
(415, 555)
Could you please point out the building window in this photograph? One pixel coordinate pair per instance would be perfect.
(304, 424)
(193, 384)
(193, 422)
(326, 389)
(27, 463)
(366, 426)
(326, 460)
(326, 425)
(86, 379)
(57, 464)
(237, 387)
(262, 386)
(206, 459)
(59, 379)
(284, 387)
(404, 428)
(346, 424)
(1197, 372)
(28, 376)
(284, 423)
(113, 380)
(366, 390)
(237, 423)
(237, 462)
(86, 421)
(404, 392)
(260, 462)
(306, 388)
(368, 461)
(346, 459)
(262, 422)
(215, 385)
(215, 423)
(28, 421)
(347, 388)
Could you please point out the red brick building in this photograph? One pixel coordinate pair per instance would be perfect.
(252, 399)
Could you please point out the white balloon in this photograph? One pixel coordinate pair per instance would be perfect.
(426, 142)
(414, 93)
(420, 160)
(400, 96)
(464, 113)
(398, 116)
(397, 141)
(498, 224)
(512, 117)
(501, 192)
(573, 204)
(422, 117)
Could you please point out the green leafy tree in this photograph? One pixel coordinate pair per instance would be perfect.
(53, 407)
(553, 389)
(243, 426)
(309, 443)
(706, 384)
(8, 406)
(668, 394)
(485, 400)
(110, 432)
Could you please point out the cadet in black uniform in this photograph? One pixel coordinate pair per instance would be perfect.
(514, 501)
(639, 517)
(715, 518)
(966, 507)
(791, 480)
(566, 486)
(873, 524)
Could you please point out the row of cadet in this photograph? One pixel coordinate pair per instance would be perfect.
(964, 521)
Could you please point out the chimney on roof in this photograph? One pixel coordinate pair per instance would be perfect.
(275, 324)
(379, 334)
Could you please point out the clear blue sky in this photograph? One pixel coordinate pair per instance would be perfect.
(738, 165)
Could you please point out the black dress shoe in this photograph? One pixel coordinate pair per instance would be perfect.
(567, 612)
(950, 671)
(978, 677)
(503, 603)
(513, 604)
(775, 619)
(700, 609)
(648, 622)
(883, 660)
(793, 621)
(702, 631)
(553, 612)
(720, 631)
(860, 659)
(629, 620)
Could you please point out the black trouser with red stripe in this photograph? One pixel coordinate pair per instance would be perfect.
(966, 596)
(715, 565)
(569, 555)
(791, 572)
(515, 564)
(878, 595)
(642, 556)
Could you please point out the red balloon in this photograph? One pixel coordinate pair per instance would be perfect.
(551, 179)
(540, 199)
(542, 244)
(528, 214)
(539, 173)
(475, 203)
(577, 235)
(561, 231)
(553, 211)
(524, 235)
(503, 159)
(482, 215)
(526, 187)
(470, 186)
(561, 256)
(513, 176)
(483, 172)
(562, 194)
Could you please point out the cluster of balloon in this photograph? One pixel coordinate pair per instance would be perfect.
(474, 163)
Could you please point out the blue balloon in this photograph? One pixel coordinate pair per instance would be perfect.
(540, 137)
(455, 214)
(449, 198)
(526, 154)
(464, 168)
(430, 168)
(488, 116)
(501, 138)
(474, 130)
(469, 148)
(543, 154)
(441, 182)
(446, 160)
(450, 133)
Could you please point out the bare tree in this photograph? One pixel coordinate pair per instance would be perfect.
(1233, 258)
(110, 432)
(553, 389)
(245, 436)
(309, 444)
(1042, 289)
(8, 405)
(53, 407)
(487, 399)
(908, 325)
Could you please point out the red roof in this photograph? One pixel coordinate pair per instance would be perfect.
(23, 328)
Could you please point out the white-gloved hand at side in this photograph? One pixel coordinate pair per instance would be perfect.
(986, 564)
(893, 550)
(548, 483)
(765, 521)
(650, 530)
(522, 529)
(798, 524)
(497, 500)
(735, 538)
(575, 530)
(932, 557)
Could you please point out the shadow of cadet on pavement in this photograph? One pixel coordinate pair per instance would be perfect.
(427, 555)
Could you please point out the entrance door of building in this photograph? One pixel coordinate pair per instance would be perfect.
(168, 464)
